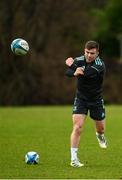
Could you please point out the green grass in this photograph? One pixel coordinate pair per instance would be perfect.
(47, 131)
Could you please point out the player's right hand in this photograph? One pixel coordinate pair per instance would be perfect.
(69, 61)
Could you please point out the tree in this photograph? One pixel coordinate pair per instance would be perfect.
(109, 27)
(54, 29)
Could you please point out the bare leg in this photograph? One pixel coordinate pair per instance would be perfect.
(78, 121)
(100, 128)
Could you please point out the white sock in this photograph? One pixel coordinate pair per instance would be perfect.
(74, 153)
(99, 134)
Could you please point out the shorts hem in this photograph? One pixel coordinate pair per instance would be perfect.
(97, 119)
(79, 113)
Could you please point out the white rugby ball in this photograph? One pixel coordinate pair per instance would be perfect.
(19, 46)
(32, 157)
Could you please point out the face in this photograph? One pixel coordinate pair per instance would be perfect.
(91, 54)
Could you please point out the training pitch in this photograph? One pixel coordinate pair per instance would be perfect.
(46, 130)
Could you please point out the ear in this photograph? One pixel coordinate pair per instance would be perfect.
(84, 50)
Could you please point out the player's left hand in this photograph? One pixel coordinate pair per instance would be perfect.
(79, 71)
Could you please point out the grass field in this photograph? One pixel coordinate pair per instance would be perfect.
(47, 130)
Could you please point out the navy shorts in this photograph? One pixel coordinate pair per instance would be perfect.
(95, 108)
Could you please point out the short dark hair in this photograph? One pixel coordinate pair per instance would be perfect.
(92, 44)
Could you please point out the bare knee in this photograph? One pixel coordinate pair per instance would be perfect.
(78, 121)
(77, 129)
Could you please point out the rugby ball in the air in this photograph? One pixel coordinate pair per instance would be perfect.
(19, 46)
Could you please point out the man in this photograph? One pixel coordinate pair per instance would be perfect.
(89, 70)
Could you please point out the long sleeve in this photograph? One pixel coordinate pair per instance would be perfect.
(90, 72)
(69, 72)
(94, 70)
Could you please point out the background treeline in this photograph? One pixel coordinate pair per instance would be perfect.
(55, 30)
